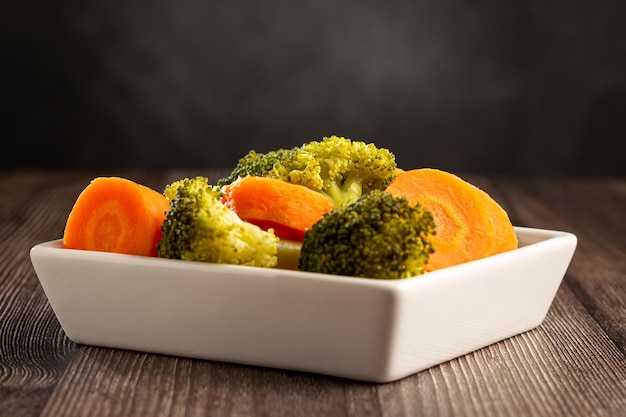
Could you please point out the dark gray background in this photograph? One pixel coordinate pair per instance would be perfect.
(496, 87)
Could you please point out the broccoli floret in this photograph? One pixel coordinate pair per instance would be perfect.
(380, 235)
(254, 164)
(338, 167)
(350, 168)
(198, 227)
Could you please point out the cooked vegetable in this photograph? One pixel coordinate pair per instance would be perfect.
(115, 214)
(288, 254)
(199, 227)
(380, 235)
(256, 164)
(469, 225)
(506, 238)
(289, 209)
(338, 167)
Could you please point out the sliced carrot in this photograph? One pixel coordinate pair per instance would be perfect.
(289, 209)
(464, 228)
(115, 214)
(506, 238)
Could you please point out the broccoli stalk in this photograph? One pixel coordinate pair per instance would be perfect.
(198, 227)
(343, 192)
(380, 235)
(338, 167)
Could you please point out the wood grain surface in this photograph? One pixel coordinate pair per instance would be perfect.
(573, 364)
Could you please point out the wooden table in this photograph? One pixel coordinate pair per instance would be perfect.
(572, 365)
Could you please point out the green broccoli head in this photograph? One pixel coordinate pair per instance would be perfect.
(199, 227)
(338, 167)
(350, 168)
(380, 235)
(255, 164)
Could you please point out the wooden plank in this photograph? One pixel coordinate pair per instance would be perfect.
(595, 211)
(573, 364)
(567, 366)
(33, 349)
(555, 369)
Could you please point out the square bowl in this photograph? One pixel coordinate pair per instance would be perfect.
(357, 328)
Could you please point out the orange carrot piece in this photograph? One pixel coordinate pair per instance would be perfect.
(289, 209)
(114, 214)
(506, 238)
(464, 229)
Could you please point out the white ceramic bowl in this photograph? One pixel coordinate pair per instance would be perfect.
(365, 329)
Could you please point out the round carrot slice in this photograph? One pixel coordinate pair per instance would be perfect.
(115, 214)
(464, 229)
